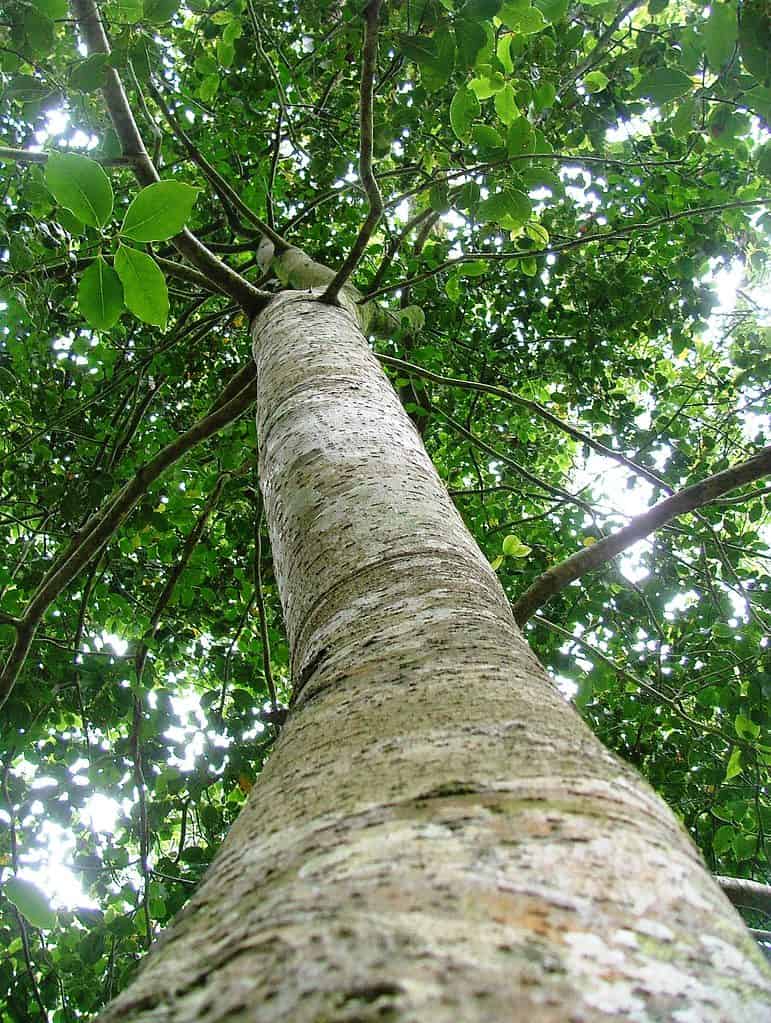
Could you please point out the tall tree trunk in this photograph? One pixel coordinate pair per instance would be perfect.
(437, 836)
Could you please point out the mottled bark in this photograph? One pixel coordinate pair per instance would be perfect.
(437, 838)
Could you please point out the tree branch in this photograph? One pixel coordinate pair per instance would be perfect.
(559, 576)
(366, 172)
(747, 894)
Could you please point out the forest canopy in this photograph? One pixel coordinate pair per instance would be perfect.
(569, 289)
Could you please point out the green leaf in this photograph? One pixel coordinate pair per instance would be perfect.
(159, 211)
(160, 11)
(664, 84)
(764, 160)
(453, 288)
(30, 902)
(745, 728)
(225, 53)
(81, 186)
(720, 31)
(509, 207)
(755, 41)
(471, 40)
(520, 137)
(503, 53)
(100, 295)
(463, 110)
(544, 95)
(513, 547)
(537, 233)
(55, 9)
(474, 268)
(529, 266)
(485, 86)
(486, 137)
(506, 105)
(208, 88)
(595, 81)
(553, 10)
(522, 18)
(734, 764)
(144, 287)
(723, 839)
(127, 12)
(89, 74)
(681, 123)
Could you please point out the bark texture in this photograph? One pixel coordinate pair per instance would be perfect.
(437, 838)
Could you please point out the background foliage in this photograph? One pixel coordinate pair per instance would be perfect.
(566, 184)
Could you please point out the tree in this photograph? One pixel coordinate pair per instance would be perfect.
(521, 212)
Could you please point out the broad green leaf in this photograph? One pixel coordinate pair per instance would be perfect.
(513, 547)
(520, 137)
(537, 233)
(55, 9)
(159, 212)
(509, 207)
(544, 95)
(126, 12)
(463, 110)
(681, 123)
(720, 31)
(89, 74)
(755, 40)
(485, 86)
(471, 39)
(453, 288)
(722, 839)
(506, 105)
(144, 287)
(553, 10)
(764, 160)
(484, 10)
(225, 53)
(81, 186)
(734, 764)
(595, 81)
(30, 902)
(160, 11)
(522, 18)
(503, 53)
(745, 727)
(208, 88)
(486, 136)
(664, 84)
(232, 31)
(474, 268)
(100, 295)
(529, 266)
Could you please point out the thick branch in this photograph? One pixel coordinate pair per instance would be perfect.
(747, 894)
(366, 171)
(222, 276)
(103, 523)
(687, 500)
